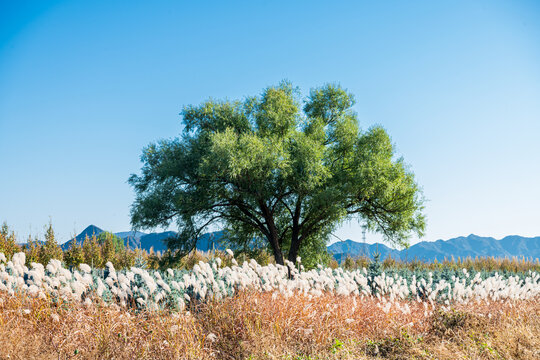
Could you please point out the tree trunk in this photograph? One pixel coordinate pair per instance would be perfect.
(278, 256)
(295, 245)
(273, 237)
(295, 236)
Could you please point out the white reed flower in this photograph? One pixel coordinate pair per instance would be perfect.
(85, 268)
(51, 267)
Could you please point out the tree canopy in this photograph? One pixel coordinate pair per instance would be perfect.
(268, 167)
(109, 240)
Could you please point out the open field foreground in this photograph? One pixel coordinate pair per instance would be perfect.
(258, 312)
(259, 326)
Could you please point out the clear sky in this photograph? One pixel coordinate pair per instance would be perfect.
(85, 85)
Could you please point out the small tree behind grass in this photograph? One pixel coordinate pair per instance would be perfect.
(32, 250)
(125, 259)
(50, 249)
(8, 243)
(140, 259)
(108, 250)
(92, 252)
(349, 263)
(362, 262)
(74, 256)
(153, 260)
(116, 243)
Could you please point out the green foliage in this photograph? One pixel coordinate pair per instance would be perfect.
(33, 251)
(336, 346)
(349, 263)
(124, 259)
(108, 249)
(140, 260)
(92, 252)
(74, 256)
(362, 262)
(50, 250)
(267, 168)
(115, 243)
(374, 270)
(8, 243)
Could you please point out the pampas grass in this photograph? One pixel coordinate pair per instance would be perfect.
(258, 325)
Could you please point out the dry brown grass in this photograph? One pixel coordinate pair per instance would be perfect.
(256, 326)
(34, 329)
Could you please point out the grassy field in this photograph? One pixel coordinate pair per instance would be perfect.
(224, 306)
(254, 325)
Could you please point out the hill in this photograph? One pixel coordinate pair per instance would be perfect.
(155, 241)
(470, 246)
(131, 238)
(88, 232)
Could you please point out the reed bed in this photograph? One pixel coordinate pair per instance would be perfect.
(257, 325)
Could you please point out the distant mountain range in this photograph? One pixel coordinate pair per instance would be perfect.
(155, 241)
(470, 246)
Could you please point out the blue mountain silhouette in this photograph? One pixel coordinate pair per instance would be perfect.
(469, 246)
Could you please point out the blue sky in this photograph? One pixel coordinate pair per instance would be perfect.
(85, 85)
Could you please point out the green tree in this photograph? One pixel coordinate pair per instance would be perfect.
(74, 255)
(8, 242)
(140, 259)
(108, 249)
(50, 250)
(116, 242)
(32, 250)
(92, 252)
(125, 259)
(267, 168)
(349, 263)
